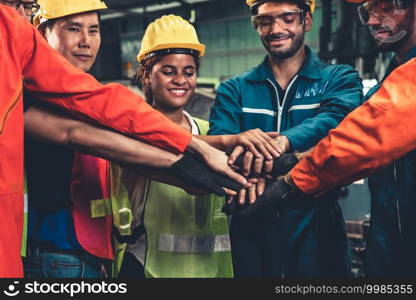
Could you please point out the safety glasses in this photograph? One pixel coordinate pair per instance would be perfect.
(30, 7)
(379, 9)
(287, 20)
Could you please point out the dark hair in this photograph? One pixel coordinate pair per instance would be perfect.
(142, 80)
(47, 25)
(255, 8)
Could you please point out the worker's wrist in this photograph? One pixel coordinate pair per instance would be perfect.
(288, 179)
(298, 155)
(195, 146)
(170, 160)
(228, 141)
(199, 147)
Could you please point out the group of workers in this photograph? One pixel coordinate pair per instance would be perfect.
(123, 186)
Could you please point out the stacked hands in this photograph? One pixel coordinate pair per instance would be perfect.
(251, 176)
(268, 186)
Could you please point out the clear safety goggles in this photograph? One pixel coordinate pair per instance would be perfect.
(30, 6)
(289, 19)
(379, 9)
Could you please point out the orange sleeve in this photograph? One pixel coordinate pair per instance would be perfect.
(375, 134)
(51, 78)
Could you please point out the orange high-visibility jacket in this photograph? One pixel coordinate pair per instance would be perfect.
(26, 58)
(375, 134)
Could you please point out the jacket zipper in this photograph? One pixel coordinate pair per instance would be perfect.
(280, 107)
(279, 122)
(399, 221)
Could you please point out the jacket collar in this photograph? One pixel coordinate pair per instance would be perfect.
(393, 64)
(310, 68)
(411, 54)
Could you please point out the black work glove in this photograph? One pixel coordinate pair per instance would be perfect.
(281, 165)
(235, 208)
(275, 196)
(196, 173)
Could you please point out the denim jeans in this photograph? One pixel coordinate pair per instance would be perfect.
(48, 264)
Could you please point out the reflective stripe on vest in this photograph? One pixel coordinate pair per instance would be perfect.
(104, 207)
(194, 243)
(118, 205)
(187, 235)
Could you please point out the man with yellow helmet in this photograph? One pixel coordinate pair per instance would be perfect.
(294, 93)
(56, 221)
(72, 28)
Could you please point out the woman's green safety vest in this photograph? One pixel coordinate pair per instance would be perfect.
(187, 236)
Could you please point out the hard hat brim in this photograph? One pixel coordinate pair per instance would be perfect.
(199, 48)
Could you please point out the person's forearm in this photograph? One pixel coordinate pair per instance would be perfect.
(167, 178)
(372, 136)
(116, 147)
(221, 142)
(42, 123)
(214, 158)
(52, 126)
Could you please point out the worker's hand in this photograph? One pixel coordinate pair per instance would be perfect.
(257, 142)
(280, 144)
(195, 173)
(275, 195)
(283, 143)
(254, 165)
(246, 196)
(216, 160)
(278, 167)
(193, 190)
(283, 164)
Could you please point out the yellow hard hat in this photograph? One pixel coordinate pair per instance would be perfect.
(53, 9)
(169, 32)
(310, 3)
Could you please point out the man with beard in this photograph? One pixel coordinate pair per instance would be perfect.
(382, 135)
(392, 23)
(302, 98)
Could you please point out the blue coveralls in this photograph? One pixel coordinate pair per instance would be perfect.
(305, 238)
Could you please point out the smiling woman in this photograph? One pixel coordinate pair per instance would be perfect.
(172, 73)
(180, 235)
